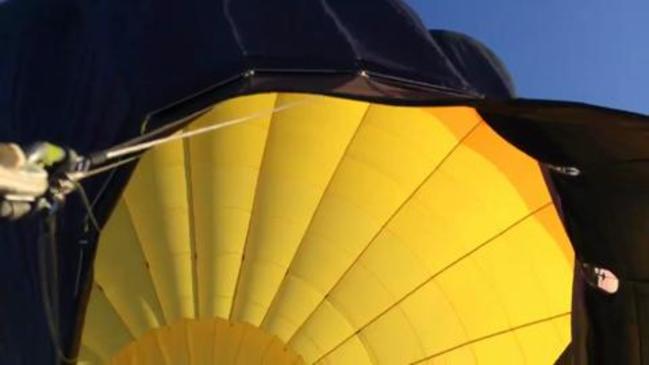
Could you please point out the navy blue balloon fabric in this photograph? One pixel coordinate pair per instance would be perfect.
(84, 74)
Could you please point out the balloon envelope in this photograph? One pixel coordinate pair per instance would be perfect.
(92, 74)
(353, 232)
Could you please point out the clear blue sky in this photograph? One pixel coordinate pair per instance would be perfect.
(596, 51)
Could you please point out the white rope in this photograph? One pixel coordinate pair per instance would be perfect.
(146, 145)
(76, 176)
(23, 181)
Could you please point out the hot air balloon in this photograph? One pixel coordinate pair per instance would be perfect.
(330, 183)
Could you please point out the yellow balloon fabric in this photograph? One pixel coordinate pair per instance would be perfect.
(353, 232)
(207, 341)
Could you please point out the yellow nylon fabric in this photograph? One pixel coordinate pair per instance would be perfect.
(355, 233)
(206, 341)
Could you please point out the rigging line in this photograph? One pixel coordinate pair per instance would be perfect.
(103, 188)
(90, 214)
(115, 153)
(111, 154)
(77, 176)
(100, 193)
(164, 128)
(51, 315)
(491, 335)
(87, 205)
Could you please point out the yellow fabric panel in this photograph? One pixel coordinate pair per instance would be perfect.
(426, 312)
(89, 357)
(251, 339)
(553, 226)
(457, 119)
(393, 151)
(562, 325)
(305, 144)
(523, 173)
(431, 232)
(522, 270)
(540, 343)
(352, 352)
(466, 284)
(224, 168)
(105, 333)
(124, 277)
(308, 348)
(206, 342)
(387, 270)
(392, 339)
(461, 356)
(150, 352)
(499, 350)
(356, 234)
(412, 330)
(324, 332)
(278, 353)
(157, 199)
(227, 338)
(173, 342)
(128, 356)
(200, 341)
(535, 340)
(471, 303)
